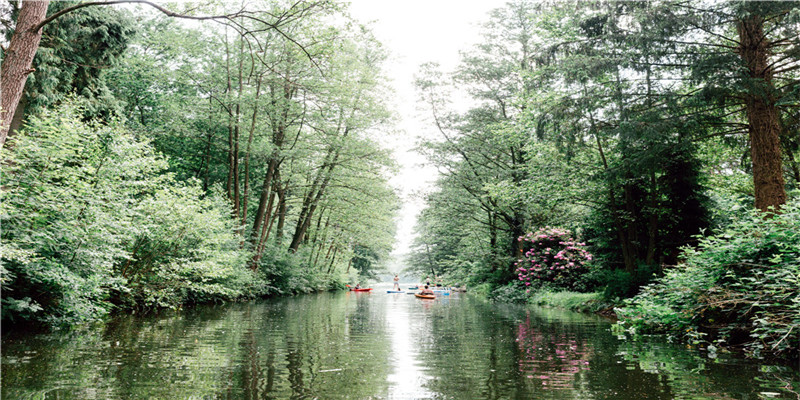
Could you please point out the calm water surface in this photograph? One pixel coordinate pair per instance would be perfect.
(372, 346)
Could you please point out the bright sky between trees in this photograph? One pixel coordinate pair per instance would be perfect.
(416, 32)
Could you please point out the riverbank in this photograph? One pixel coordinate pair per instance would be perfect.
(705, 337)
(594, 303)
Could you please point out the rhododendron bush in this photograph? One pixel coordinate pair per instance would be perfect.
(551, 255)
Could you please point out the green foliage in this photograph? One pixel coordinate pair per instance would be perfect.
(737, 287)
(184, 250)
(90, 220)
(621, 284)
(74, 56)
(513, 292)
(582, 302)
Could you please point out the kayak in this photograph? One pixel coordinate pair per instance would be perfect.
(395, 291)
(425, 296)
(361, 290)
(414, 288)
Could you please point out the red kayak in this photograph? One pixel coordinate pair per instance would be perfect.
(425, 296)
(361, 290)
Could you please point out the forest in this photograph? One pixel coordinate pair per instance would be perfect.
(642, 155)
(158, 163)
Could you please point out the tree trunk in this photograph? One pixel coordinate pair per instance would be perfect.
(652, 223)
(237, 198)
(281, 212)
(313, 197)
(19, 115)
(264, 199)
(629, 259)
(762, 115)
(333, 260)
(517, 231)
(247, 153)
(18, 60)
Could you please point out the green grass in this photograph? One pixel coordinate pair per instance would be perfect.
(582, 302)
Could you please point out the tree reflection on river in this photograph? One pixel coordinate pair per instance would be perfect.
(370, 346)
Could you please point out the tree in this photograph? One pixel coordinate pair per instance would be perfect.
(24, 42)
(17, 60)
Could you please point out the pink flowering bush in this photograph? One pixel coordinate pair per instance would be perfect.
(552, 256)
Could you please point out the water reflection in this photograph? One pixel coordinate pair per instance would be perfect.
(552, 357)
(371, 346)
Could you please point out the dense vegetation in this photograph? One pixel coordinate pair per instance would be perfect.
(641, 150)
(642, 128)
(153, 163)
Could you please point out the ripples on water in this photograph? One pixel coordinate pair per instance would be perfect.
(371, 346)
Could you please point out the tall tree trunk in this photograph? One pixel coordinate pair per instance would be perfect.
(18, 60)
(228, 89)
(209, 138)
(279, 126)
(762, 115)
(258, 245)
(281, 212)
(517, 231)
(19, 115)
(492, 231)
(266, 227)
(628, 257)
(313, 197)
(237, 199)
(333, 260)
(247, 153)
(263, 201)
(652, 223)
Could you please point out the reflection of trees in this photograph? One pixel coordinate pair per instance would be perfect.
(692, 374)
(551, 357)
(324, 346)
(335, 346)
(470, 351)
(272, 349)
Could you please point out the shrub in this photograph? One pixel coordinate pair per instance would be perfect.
(582, 302)
(738, 287)
(552, 256)
(621, 284)
(513, 292)
(92, 219)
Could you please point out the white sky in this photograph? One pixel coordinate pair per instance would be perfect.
(416, 32)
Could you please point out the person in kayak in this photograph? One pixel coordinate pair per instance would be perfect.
(396, 282)
(426, 290)
(358, 285)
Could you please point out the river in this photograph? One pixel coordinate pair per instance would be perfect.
(372, 346)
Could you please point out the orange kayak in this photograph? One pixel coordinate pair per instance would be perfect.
(425, 296)
(361, 290)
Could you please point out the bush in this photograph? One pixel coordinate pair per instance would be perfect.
(91, 219)
(552, 256)
(621, 284)
(184, 251)
(582, 302)
(739, 287)
(513, 292)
